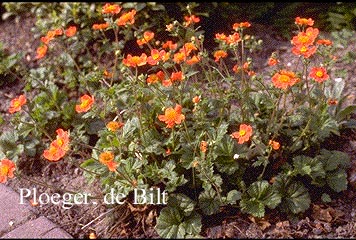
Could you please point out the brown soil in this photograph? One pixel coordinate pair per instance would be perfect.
(336, 219)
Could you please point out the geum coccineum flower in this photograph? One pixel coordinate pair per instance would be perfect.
(70, 31)
(126, 18)
(41, 51)
(86, 102)
(17, 103)
(304, 21)
(58, 147)
(237, 26)
(284, 79)
(107, 158)
(188, 20)
(243, 135)
(147, 36)
(100, 26)
(172, 116)
(219, 54)
(157, 56)
(155, 77)
(319, 74)
(135, 61)
(114, 125)
(111, 9)
(7, 168)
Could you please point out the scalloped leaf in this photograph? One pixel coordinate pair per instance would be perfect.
(337, 180)
(209, 202)
(295, 197)
(182, 202)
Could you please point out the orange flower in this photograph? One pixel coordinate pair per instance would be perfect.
(58, 32)
(196, 99)
(275, 145)
(135, 61)
(272, 61)
(236, 26)
(41, 51)
(191, 19)
(319, 74)
(325, 42)
(179, 57)
(177, 76)
(70, 31)
(220, 36)
(244, 133)
(147, 36)
(284, 79)
(114, 125)
(169, 45)
(127, 18)
(172, 116)
(168, 151)
(46, 39)
(17, 103)
(58, 147)
(332, 101)
(188, 48)
(233, 38)
(303, 21)
(100, 26)
(86, 103)
(203, 146)
(219, 54)
(107, 74)
(155, 77)
(111, 9)
(193, 60)
(306, 38)
(156, 56)
(107, 158)
(305, 51)
(7, 168)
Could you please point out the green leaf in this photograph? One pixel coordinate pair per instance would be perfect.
(183, 202)
(233, 196)
(337, 180)
(209, 202)
(305, 165)
(346, 112)
(295, 196)
(259, 195)
(334, 159)
(325, 198)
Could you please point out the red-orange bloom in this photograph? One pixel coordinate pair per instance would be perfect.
(7, 168)
(303, 50)
(179, 57)
(135, 61)
(243, 135)
(332, 101)
(203, 146)
(127, 18)
(100, 26)
(147, 36)
(111, 8)
(114, 125)
(169, 45)
(219, 54)
(155, 77)
(156, 56)
(196, 99)
(188, 48)
(58, 147)
(86, 102)
(41, 51)
(172, 116)
(17, 103)
(220, 36)
(70, 31)
(272, 61)
(325, 42)
(306, 38)
(319, 74)
(304, 21)
(236, 26)
(233, 38)
(191, 19)
(193, 60)
(107, 158)
(284, 79)
(177, 76)
(274, 144)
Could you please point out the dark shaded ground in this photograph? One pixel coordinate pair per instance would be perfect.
(333, 220)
